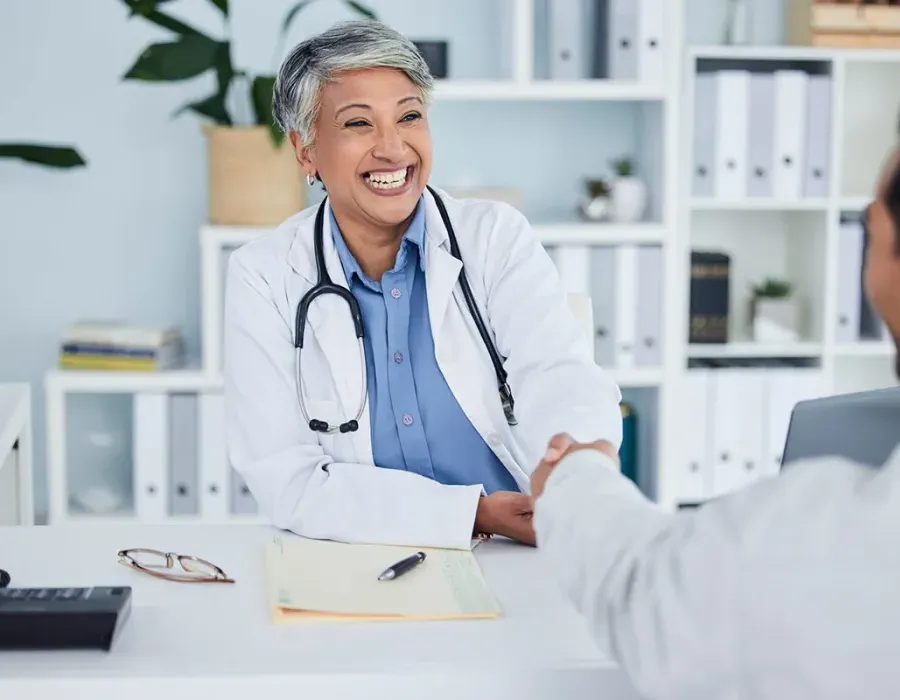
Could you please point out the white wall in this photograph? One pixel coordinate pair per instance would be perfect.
(118, 239)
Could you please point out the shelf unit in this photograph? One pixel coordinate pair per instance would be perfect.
(794, 237)
(652, 118)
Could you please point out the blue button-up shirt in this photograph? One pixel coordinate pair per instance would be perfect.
(417, 424)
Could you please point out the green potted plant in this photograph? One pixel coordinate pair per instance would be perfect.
(42, 154)
(254, 178)
(774, 312)
(629, 193)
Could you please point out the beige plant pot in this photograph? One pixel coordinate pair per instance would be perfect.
(251, 182)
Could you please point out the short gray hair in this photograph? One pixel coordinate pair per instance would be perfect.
(350, 45)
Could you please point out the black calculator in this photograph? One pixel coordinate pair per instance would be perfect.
(62, 618)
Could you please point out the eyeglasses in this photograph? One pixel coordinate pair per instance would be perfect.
(161, 565)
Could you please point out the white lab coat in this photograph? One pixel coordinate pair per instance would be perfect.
(325, 486)
(786, 590)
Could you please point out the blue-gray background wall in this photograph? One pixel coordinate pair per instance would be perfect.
(118, 239)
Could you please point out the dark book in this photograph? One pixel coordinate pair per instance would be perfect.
(709, 297)
(628, 451)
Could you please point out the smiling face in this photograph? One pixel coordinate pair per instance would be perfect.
(882, 265)
(372, 146)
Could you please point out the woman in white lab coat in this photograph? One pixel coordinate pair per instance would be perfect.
(426, 453)
(787, 589)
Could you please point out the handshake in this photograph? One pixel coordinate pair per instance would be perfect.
(509, 513)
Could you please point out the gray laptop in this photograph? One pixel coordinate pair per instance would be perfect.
(863, 427)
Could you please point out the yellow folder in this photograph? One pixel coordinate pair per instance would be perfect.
(315, 580)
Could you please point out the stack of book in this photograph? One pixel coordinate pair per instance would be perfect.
(117, 346)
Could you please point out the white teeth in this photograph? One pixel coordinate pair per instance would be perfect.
(387, 181)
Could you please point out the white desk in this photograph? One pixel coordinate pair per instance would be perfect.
(16, 479)
(216, 641)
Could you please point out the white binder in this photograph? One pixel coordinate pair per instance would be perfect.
(213, 466)
(817, 154)
(692, 455)
(648, 351)
(651, 35)
(784, 388)
(623, 39)
(732, 134)
(790, 139)
(150, 449)
(603, 297)
(626, 305)
(574, 265)
(762, 135)
(849, 285)
(737, 428)
(705, 108)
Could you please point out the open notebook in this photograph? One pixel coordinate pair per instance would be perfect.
(323, 580)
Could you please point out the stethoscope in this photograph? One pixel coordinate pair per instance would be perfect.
(324, 285)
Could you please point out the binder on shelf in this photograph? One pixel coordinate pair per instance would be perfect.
(705, 105)
(622, 41)
(625, 300)
(212, 463)
(574, 265)
(569, 51)
(790, 121)
(709, 297)
(628, 454)
(692, 458)
(732, 133)
(150, 450)
(242, 501)
(761, 152)
(849, 284)
(603, 297)
(817, 155)
(183, 486)
(737, 428)
(648, 350)
(651, 37)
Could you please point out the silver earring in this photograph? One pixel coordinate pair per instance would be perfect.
(310, 180)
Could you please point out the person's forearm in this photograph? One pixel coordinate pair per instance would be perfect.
(655, 588)
(589, 520)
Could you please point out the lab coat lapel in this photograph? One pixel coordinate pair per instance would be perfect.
(456, 341)
(332, 325)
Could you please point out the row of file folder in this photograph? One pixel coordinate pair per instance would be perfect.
(856, 318)
(733, 424)
(762, 134)
(607, 39)
(179, 459)
(624, 283)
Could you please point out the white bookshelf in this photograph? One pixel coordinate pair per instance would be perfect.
(792, 237)
(657, 109)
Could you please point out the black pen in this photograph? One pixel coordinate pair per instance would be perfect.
(401, 567)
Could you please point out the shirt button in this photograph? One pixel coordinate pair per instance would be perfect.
(398, 357)
(407, 419)
(395, 293)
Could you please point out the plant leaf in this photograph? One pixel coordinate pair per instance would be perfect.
(161, 19)
(292, 13)
(212, 107)
(222, 5)
(187, 57)
(52, 156)
(224, 69)
(261, 93)
(361, 9)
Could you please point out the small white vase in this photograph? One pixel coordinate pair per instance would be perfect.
(629, 199)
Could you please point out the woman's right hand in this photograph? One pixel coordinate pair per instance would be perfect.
(508, 514)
